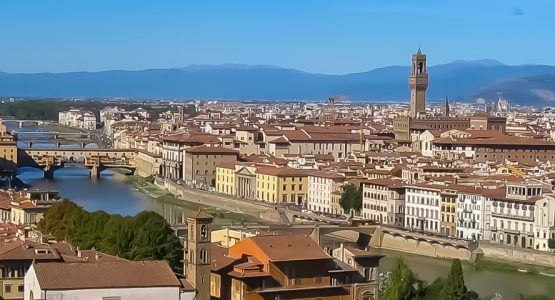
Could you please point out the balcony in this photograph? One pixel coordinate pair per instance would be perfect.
(509, 216)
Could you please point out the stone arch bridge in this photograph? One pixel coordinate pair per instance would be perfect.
(96, 160)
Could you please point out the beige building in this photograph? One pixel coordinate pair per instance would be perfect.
(228, 237)
(8, 153)
(199, 164)
(247, 136)
(383, 200)
(301, 142)
(148, 164)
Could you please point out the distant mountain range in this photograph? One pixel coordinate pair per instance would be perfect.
(460, 80)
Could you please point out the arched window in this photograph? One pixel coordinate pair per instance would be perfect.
(204, 231)
(203, 256)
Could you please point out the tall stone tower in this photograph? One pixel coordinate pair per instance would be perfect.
(418, 82)
(446, 107)
(199, 258)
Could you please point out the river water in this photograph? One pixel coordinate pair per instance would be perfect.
(114, 196)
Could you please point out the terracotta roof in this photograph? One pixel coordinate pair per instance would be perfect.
(265, 158)
(281, 171)
(325, 174)
(200, 215)
(388, 182)
(324, 157)
(246, 128)
(226, 165)
(192, 138)
(27, 250)
(289, 247)
(220, 257)
(478, 137)
(280, 140)
(121, 274)
(210, 150)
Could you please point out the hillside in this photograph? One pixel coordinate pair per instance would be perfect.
(464, 80)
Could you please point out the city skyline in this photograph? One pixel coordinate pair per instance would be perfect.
(329, 37)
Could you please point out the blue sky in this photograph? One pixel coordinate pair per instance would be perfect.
(325, 36)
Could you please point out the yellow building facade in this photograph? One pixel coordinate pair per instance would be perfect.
(225, 179)
(8, 153)
(281, 185)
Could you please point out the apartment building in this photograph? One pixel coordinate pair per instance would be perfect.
(383, 200)
(281, 185)
(521, 217)
(284, 267)
(321, 186)
(172, 151)
(199, 164)
(423, 207)
(78, 118)
(473, 212)
(338, 145)
(225, 178)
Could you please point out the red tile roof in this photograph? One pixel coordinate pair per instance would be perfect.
(211, 150)
(121, 274)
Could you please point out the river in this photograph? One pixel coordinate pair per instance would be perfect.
(485, 282)
(114, 196)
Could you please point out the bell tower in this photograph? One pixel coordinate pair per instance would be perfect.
(418, 83)
(198, 258)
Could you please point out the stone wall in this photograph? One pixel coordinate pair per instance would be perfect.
(517, 254)
(428, 247)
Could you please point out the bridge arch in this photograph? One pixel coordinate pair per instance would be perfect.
(359, 234)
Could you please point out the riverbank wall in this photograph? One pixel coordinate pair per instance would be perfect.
(419, 244)
(527, 256)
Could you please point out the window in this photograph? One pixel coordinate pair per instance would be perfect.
(20, 288)
(8, 288)
(204, 231)
(203, 256)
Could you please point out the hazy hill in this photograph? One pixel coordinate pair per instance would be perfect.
(464, 80)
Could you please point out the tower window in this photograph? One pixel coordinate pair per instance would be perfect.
(203, 256)
(420, 67)
(204, 231)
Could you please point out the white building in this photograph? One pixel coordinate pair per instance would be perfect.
(422, 207)
(383, 200)
(473, 211)
(544, 222)
(523, 217)
(78, 118)
(321, 186)
(137, 280)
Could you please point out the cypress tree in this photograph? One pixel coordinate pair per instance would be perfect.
(454, 288)
(400, 283)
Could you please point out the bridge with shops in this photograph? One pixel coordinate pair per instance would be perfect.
(94, 159)
(22, 123)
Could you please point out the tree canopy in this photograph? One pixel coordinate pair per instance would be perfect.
(401, 284)
(351, 199)
(145, 236)
(454, 288)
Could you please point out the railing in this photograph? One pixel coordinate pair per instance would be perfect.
(503, 215)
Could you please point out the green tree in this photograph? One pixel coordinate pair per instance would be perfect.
(143, 237)
(401, 284)
(454, 288)
(348, 198)
(357, 200)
